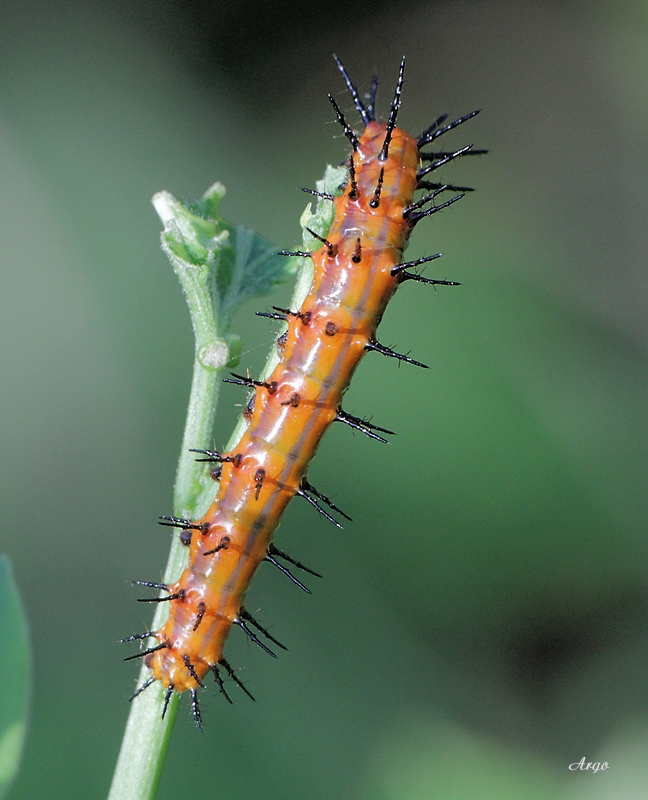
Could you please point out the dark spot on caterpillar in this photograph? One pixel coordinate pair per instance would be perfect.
(223, 544)
(357, 252)
(281, 343)
(260, 522)
(294, 400)
(185, 537)
(199, 616)
(259, 477)
(215, 473)
(249, 408)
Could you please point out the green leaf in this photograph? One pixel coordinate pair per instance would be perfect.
(239, 263)
(321, 219)
(15, 676)
(249, 268)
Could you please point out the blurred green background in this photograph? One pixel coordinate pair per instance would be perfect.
(483, 622)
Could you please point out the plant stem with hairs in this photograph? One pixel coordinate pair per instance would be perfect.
(219, 265)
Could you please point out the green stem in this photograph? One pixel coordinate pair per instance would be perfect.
(147, 735)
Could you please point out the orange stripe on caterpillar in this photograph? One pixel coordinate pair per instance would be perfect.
(356, 272)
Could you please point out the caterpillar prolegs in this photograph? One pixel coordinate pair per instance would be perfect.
(357, 269)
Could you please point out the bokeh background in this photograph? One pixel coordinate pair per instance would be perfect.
(483, 623)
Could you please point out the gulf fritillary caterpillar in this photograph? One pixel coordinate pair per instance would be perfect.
(356, 271)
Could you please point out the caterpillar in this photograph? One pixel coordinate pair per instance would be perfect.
(357, 269)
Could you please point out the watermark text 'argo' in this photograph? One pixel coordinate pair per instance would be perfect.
(595, 766)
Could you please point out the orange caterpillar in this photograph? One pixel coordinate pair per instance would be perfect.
(356, 272)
